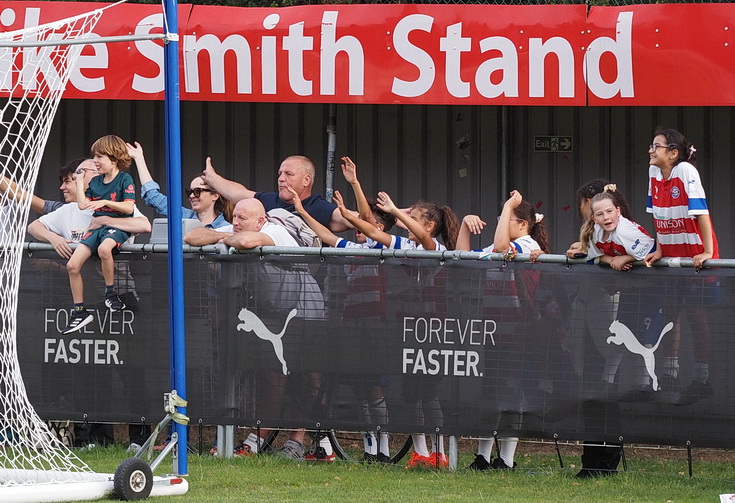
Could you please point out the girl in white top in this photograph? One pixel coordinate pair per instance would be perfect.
(612, 239)
(425, 222)
(520, 230)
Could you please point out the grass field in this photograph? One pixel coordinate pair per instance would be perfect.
(652, 475)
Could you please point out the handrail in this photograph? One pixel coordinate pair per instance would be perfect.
(383, 253)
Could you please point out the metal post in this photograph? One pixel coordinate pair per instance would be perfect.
(504, 151)
(175, 251)
(331, 149)
(453, 452)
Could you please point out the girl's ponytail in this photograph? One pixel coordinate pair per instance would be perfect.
(539, 233)
(536, 227)
(445, 222)
(450, 229)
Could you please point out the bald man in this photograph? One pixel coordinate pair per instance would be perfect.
(250, 228)
(295, 289)
(297, 172)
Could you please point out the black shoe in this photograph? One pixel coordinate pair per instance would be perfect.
(696, 391)
(382, 458)
(113, 302)
(375, 458)
(499, 464)
(369, 458)
(78, 320)
(480, 464)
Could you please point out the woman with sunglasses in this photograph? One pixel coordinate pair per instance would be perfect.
(207, 206)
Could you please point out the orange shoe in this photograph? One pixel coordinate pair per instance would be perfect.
(320, 454)
(433, 460)
(438, 460)
(417, 461)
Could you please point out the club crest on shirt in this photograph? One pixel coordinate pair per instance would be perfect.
(675, 192)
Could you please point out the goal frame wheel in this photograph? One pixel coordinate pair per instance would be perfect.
(133, 480)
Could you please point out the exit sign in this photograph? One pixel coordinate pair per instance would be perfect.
(552, 143)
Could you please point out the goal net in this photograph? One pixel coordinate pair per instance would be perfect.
(35, 66)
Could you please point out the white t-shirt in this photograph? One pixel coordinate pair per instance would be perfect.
(70, 222)
(401, 243)
(277, 233)
(524, 244)
(628, 238)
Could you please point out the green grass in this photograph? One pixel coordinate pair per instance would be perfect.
(538, 478)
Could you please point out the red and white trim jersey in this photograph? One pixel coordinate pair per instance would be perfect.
(628, 238)
(675, 204)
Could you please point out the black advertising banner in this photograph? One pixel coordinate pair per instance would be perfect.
(461, 347)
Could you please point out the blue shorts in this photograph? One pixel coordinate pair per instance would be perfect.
(93, 239)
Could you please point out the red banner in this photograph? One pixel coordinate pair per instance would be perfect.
(411, 54)
(679, 54)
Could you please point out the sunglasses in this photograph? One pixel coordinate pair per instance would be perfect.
(197, 192)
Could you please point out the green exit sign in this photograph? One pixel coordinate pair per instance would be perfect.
(552, 143)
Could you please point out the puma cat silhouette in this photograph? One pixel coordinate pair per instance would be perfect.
(623, 336)
(251, 323)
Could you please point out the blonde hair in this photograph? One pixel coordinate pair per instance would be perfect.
(588, 227)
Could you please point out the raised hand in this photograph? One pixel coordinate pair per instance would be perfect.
(349, 170)
(473, 223)
(385, 203)
(208, 168)
(135, 151)
(340, 202)
(514, 200)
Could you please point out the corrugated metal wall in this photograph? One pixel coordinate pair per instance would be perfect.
(448, 154)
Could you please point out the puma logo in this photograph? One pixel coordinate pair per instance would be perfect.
(251, 323)
(623, 336)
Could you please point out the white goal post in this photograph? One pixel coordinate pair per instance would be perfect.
(35, 67)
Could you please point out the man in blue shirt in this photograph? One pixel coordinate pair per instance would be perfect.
(297, 172)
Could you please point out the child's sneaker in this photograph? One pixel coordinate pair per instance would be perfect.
(417, 461)
(78, 320)
(480, 464)
(383, 458)
(113, 302)
(431, 461)
(320, 454)
(499, 464)
(439, 460)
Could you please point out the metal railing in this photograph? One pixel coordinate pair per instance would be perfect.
(383, 253)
